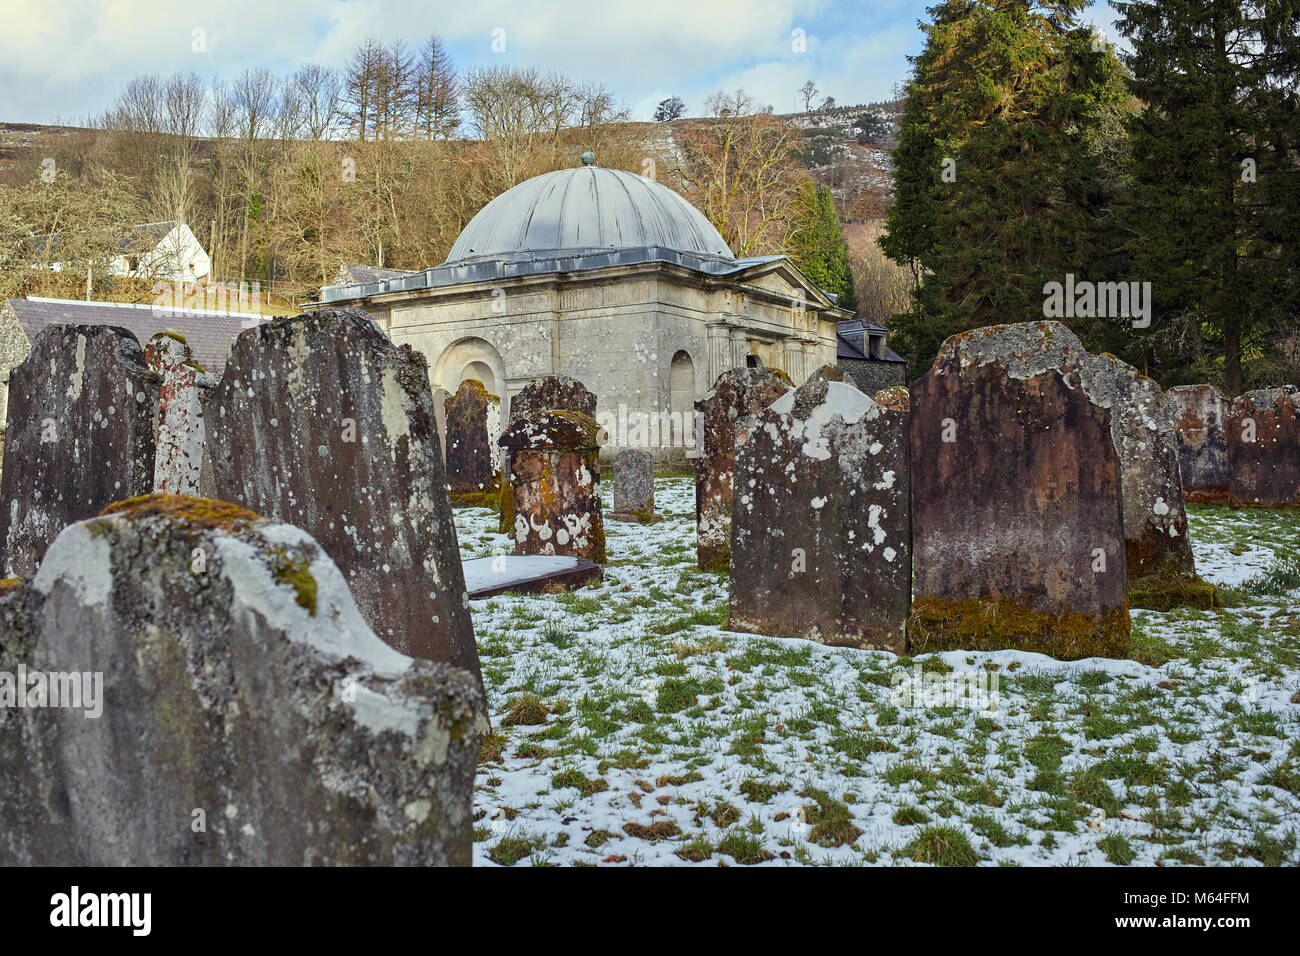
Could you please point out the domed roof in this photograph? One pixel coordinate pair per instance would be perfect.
(584, 209)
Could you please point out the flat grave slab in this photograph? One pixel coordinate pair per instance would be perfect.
(527, 573)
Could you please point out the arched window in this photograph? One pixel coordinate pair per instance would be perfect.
(681, 391)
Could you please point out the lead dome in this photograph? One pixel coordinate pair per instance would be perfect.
(584, 209)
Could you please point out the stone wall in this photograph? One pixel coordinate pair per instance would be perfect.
(871, 377)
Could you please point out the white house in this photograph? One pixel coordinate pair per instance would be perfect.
(159, 251)
(171, 252)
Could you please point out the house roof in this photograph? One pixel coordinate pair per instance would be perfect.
(134, 240)
(351, 273)
(208, 333)
(845, 349)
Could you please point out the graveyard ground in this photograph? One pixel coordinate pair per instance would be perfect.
(629, 727)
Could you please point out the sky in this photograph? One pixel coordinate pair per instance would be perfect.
(65, 60)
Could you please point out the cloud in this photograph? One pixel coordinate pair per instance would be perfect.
(75, 55)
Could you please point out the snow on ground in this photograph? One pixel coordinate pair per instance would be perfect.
(629, 728)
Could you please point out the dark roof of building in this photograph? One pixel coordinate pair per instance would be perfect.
(209, 334)
(523, 264)
(860, 325)
(135, 240)
(845, 349)
(352, 273)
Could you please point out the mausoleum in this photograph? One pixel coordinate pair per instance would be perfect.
(612, 279)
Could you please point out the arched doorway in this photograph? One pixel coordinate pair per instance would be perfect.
(483, 372)
(681, 398)
(471, 358)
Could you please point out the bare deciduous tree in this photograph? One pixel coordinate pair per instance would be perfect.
(739, 170)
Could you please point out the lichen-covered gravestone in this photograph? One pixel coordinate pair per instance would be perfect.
(1017, 533)
(1200, 417)
(1160, 566)
(79, 435)
(820, 538)
(556, 478)
(547, 393)
(221, 703)
(182, 435)
(634, 486)
(473, 422)
(737, 393)
(1264, 449)
(320, 421)
(552, 392)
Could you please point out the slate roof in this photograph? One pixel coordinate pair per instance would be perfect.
(352, 273)
(136, 240)
(845, 349)
(209, 334)
(523, 264)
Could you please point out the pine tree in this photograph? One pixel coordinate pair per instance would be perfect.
(1215, 216)
(818, 247)
(992, 198)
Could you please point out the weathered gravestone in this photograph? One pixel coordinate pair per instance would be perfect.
(182, 434)
(473, 422)
(820, 539)
(321, 422)
(221, 702)
(634, 486)
(1160, 567)
(896, 398)
(736, 393)
(552, 392)
(556, 478)
(1017, 532)
(79, 435)
(544, 394)
(1200, 417)
(440, 396)
(1264, 449)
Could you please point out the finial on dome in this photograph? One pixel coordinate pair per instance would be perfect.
(588, 158)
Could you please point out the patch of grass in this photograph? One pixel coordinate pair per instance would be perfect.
(571, 777)
(1280, 577)
(1045, 751)
(831, 821)
(527, 709)
(861, 746)
(942, 846)
(756, 791)
(1132, 769)
(510, 849)
(696, 851)
(993, 831)
(743, 848)
(556, 635)
(1117, 849)
(909, 816)
(661, 830)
